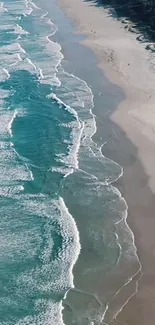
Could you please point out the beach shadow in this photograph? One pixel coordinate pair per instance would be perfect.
(141, 15)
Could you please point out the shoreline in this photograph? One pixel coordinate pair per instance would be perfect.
(137, 183)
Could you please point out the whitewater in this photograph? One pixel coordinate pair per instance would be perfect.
(48, 157)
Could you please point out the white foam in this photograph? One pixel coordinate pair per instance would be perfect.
(41, 74)
(52, 315)
(3, 95)
(18, 7)
(89, 130)
(6, 72)
(10, 174)
(44, 278)
(10, 55)
(44, 15)
(2, 8)
(42, 22)
(23, 64)
(69, 229)
(14, 60)
(77, 128)
(4, 145)
(7, 27)
(82, 98)
(57, 211)
(51, 57)
(11, 121)
(34, 5)
(5, 118)
(4, 75)
(46, 55)
(9, 191)
(19, 30)
(13, 29)
(46, 62)
(31, 63)
(31, 174)
(21, 49)
(7, 155)
(7, 60)
(12, 48)
(63, 170)
(85, 114)
(11, 169)
(60, 102)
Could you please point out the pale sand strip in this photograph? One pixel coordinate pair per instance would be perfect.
(126, 63)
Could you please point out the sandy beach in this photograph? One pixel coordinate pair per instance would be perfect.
(126, 63)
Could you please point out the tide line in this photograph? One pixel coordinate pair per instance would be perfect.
(11, 121)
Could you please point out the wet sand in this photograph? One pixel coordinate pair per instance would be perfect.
(126, 63)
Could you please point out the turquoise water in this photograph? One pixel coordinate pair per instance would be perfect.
(48, 158)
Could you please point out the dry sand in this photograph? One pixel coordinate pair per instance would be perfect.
(126, 63)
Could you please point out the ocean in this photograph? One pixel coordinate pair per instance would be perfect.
(63, 232)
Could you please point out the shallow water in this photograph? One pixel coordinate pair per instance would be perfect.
(55, 185)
